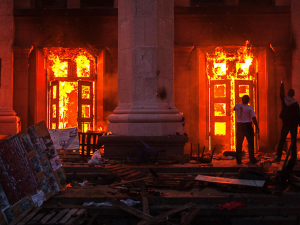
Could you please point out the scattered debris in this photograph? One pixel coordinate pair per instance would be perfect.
(96, 158)
(230, 181)
(231, 205)
(130, 202)
(84, 183)
(87, 204)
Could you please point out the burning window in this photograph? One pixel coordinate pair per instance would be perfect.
(220, 90)
(220, 109)
(243, 90)
(220, 128)
(231, 73)
(70, 75)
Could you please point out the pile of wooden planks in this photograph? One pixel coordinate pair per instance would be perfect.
(55, 216)
(124, 172)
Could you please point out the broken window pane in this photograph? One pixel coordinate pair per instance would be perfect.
(86, 92)
(220, 109)
(220, 90)
(54, 111)
(243, 90)
(86, 110)
(54, 92)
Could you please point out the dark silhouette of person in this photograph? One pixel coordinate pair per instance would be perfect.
(290, 120)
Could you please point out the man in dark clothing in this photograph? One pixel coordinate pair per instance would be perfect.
(290, 120)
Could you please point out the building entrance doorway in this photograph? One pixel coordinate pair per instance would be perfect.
(231, 74)
(71, 92)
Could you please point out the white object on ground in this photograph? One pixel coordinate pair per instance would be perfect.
(96, 158)
(84, 183)
(86, 204)
(130, 202)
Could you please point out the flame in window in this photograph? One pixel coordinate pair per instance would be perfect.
(220, 109)
(86, 92)
(83, 66)
(220, 90)
(61, 61)
(220, 128)
(59, 68)
(68, 104)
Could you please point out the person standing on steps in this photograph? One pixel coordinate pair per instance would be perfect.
(290, 119)
(245, 115)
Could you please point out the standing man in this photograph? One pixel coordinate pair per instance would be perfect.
(290, 120)
(245, 115)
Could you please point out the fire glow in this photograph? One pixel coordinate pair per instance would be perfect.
(68, 69)
(227, 67)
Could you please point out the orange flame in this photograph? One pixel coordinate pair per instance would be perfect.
(83, 66)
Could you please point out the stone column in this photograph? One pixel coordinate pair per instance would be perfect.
(145, 70)
(295, 26)
(9, 122)
(21, 83)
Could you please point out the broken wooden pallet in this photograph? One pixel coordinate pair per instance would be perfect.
(68, 154)
(124, 172)
(56, 216)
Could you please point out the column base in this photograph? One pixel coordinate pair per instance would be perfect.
(121, 147)
(9, 125)
(146, 129)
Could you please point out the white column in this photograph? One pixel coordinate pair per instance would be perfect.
(145, 70)
(9, 123)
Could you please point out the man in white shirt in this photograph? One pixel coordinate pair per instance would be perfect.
(245, 115)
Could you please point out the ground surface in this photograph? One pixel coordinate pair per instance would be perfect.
(261, 206)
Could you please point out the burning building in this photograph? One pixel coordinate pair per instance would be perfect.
(64, 62)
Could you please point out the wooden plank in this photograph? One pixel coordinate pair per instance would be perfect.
(77, 216)
(68, 216)
(118, 184)
(133, 175)
(125, 173)
(36, 219)
(115, 170)
(59, 216)
(29, 216)
(188, 217)
(92, 221)
(69, 156)
(139, 176)
(21, 216)
(163, 216)
(131, 210)
(144, 195)
(68, 151)
(223, 180)
(110, 166)
(48, 216)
